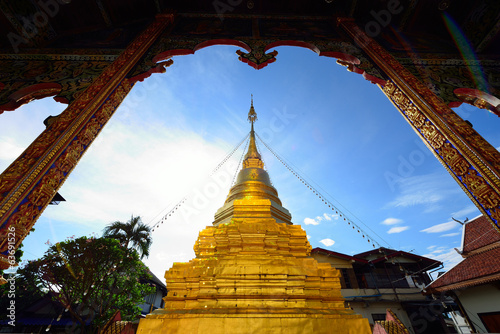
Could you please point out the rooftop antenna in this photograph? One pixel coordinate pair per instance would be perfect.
(458, 221)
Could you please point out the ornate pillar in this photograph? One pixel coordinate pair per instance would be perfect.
(30, 182)
(467, 156)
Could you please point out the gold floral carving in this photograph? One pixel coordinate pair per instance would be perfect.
(454, 159)
(488, 198)
(433, 136)
(477, 186)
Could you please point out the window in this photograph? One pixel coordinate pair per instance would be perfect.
(491, 321)
(347, 281)
(378, 317)
(150, 299)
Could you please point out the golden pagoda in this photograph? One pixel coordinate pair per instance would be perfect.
(253, 272)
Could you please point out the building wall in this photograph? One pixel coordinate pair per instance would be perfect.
(480, 299)
(334, 261)
(369, 301)
(367, 309)
(155, 299)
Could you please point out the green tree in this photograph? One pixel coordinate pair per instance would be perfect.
(92, 278)
(23, 288)
(133, 234)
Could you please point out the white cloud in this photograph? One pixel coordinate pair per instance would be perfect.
(327, 242)
(441, 227)
(449, 257)
(465, 211)
(391, 221)
(418, 197)
(318, 219)
(427, 190)
(10, 149)
(310, 221)
(431, 247)
(308, 237)
(330, 216)
(450, 234)
(398, 229)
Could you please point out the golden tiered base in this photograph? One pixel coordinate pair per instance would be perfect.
(253, 276)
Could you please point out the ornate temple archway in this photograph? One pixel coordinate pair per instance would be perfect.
(98, 83)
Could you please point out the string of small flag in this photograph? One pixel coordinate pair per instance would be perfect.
(184, 198)
(330, 205)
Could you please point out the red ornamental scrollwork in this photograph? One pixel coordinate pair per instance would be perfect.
(479, 99)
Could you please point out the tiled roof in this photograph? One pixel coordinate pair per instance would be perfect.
(382, 254)
(476, 269)
(338, 255)
(479, 233)
(390, 327)
(117, 327)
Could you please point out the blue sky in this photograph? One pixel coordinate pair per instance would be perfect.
(336, 129)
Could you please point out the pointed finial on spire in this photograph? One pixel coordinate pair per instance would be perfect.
(252, 115)
(253, 153)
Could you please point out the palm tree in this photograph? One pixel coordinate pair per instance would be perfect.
(133, 232)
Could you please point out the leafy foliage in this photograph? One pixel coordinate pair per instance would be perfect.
(92, 278)
(25, 291)
(133, 234)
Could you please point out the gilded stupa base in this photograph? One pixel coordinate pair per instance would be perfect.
(261, 323)
(253, 276)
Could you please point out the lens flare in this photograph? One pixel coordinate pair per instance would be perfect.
(467, 52)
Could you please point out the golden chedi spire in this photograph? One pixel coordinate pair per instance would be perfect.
(253, 195)
(252, 158)
(253, 272)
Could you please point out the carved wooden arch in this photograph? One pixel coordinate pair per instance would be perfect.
(258, 59)
(30, 93)
(478, 99)
(29, 183)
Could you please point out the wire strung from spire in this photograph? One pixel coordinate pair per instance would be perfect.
(168, 214)
(229, 155)
(340, 204)
(349, 221)
(241, 160)
(262, 158)
(184, 198)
